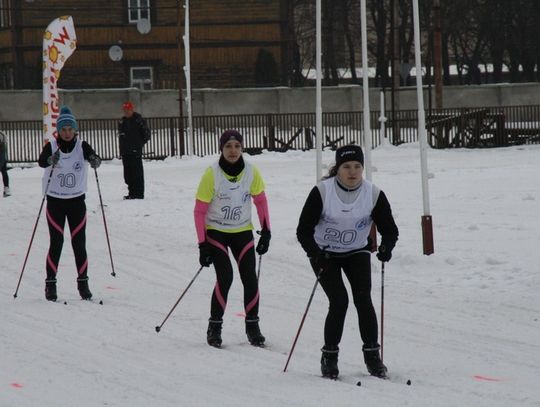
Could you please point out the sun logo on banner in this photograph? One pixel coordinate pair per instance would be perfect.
(53, 54)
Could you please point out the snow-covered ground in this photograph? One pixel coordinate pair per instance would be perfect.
(462, 324)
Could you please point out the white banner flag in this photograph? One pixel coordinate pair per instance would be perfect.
(59, 42)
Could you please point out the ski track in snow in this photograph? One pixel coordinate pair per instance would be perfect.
(463, 324)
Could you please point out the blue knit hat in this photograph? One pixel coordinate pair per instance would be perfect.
(66, 118)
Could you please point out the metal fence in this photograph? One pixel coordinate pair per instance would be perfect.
(465, 127)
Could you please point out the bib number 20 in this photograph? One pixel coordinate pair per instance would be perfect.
(343, 237)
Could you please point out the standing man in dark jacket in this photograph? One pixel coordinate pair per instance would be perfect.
(133, 135)
(3, 164)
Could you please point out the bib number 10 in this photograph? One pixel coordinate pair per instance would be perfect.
(343, 237)
(67, 180)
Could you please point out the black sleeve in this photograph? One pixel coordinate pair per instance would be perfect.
(88, 151)
(145, 130)
(310, 216)
(121, 136)
(382, 216)
(45, 154)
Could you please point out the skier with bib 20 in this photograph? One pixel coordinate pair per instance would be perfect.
(333, 230)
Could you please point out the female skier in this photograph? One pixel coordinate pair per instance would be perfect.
(334, 231)
(223, 221)
(64, 182)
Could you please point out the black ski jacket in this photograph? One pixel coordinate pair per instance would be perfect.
(65, 147)
(311, 214)
(133, 134)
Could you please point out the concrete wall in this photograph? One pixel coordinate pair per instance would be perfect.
(93, 104)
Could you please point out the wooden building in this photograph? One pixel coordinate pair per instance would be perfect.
(234, 43)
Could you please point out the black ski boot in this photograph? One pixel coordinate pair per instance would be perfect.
(329, 359)
(373, 361)
(253, 332)
(213, 334)
(50, 289)
(82, 286)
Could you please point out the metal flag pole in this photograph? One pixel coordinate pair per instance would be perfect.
(365, 92)
(187, 71)
(427, 226)
(318, 93)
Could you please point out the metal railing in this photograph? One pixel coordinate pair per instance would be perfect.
(464, 127)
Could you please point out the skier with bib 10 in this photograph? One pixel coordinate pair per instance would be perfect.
(65, 183)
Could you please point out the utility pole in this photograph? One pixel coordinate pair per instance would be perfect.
(16, 53)
(437, 54)
(179, 41)
(396, 63)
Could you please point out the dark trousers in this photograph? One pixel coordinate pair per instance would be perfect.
(357, 269)
(242, 248)
(75, 212)
(5, 176)
(134, 175)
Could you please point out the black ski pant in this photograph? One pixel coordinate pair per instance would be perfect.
(357, 269)
(5, 176)
(74, 210)
(242, 248)
(134, 175)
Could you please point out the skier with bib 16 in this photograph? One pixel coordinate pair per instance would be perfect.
(223, 221)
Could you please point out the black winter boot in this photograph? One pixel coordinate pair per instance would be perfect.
(213, 334)
(50, 289)
(253, 332)
(329, 362)
(82, 286)
(373, 361)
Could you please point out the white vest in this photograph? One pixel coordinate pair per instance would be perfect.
(230, 207)
(69, 178)
(344, 227)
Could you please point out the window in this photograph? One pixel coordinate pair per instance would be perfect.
(138, 10)
(4, 13)
(142, 77)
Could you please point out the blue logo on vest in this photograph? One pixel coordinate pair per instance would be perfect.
(363, 223)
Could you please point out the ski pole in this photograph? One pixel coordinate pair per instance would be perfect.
(113, 273)
(382, 311)
(158, 328)
(303, 319)
(35, 228)
(259, 269)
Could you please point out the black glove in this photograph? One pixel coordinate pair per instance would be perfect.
(264, 241)
(54, 158)
(319, 260)
(384, 254)
(205, 254)
(94, 161)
